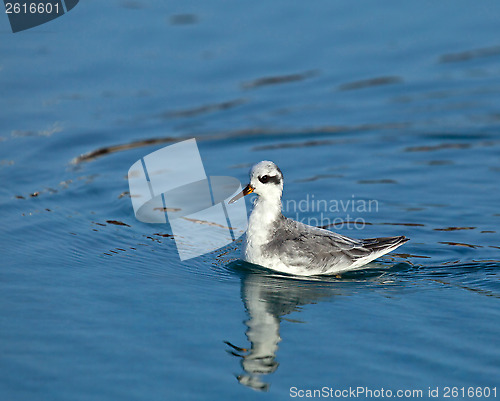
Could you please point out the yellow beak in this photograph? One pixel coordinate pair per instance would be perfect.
(247, 190)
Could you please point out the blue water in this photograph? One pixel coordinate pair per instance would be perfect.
(383, 101)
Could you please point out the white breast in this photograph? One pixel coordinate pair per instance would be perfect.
(259, 230)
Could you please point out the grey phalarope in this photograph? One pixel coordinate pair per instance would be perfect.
(288, 246)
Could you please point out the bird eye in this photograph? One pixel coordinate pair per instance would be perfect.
(264, 179)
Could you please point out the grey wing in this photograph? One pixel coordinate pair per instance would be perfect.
(315, 248)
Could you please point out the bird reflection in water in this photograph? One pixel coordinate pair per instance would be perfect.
(269, 297)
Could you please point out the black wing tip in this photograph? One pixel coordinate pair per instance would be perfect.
(400, 240)
(385, 242)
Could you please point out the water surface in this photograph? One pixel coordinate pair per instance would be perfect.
(390, 103)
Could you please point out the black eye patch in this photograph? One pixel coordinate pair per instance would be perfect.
(266, 178)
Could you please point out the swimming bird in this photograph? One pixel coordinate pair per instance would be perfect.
(279, 243)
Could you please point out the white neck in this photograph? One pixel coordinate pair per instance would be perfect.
(265, 212)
